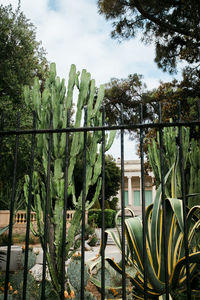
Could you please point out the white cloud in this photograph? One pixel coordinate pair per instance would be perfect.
(75, 33)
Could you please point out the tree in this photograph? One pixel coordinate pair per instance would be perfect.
(174, 27)
(130, 93)
(112, 179)
(21, 58)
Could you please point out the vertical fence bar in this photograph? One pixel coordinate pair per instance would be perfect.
(1, 137)
(65, 206)
(46, 229)
(29, 210)
(11, 211)
(83, 206)
(184, 204)
(198, 114)
(198, 109)
(103, 211)
(123, 209)
(143, 202)
(164, 229)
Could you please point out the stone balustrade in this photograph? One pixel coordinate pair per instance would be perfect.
(20, 219)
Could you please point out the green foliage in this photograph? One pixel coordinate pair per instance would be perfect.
(55, 97)
(129, 92)
(31, 259)
(113, 280)
(16, 281)
(96, 205)
(172, 26)
(74, 276)
(22, 57)
(87, 296)
(95, 217)
(169, 93)
(93, 241)
(10, 297)
(114, 203)
(50, 292)
(74, 273)
(112, 179)
(155, 246)
(191, 154)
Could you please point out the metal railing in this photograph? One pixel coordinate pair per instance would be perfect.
(142, 128)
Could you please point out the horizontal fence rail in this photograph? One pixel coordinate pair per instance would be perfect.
(135, 255)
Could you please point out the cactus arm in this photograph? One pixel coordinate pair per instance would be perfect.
(71, 83)
(90, 101)
(96, 195)
(110, 140)
(75, 224)
(53, 273)
(99, 100)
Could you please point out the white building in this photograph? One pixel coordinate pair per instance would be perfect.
(132, 186)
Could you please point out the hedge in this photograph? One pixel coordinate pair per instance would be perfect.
(95, 217)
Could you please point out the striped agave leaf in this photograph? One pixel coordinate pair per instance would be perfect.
(155, 245)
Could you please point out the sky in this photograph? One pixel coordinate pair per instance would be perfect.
(72, 32)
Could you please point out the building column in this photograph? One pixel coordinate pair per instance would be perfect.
(130, 203)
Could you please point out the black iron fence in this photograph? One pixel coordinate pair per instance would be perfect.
(142, 128)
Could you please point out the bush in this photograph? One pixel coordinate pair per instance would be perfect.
(114, 203)
(95, 217)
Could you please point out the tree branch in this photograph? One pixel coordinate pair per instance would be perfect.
(162, 23)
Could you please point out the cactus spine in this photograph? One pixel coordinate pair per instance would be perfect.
(55, 98)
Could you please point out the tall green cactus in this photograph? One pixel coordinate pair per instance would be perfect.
(191, 163)
(54, 98)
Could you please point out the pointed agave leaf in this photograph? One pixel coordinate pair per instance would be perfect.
(177, 206)
(134, 239)
(116, 238)
(155, 225)
(174, 278)
(2, 230)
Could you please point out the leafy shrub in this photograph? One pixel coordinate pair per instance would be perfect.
(95, 217)
(114, 203)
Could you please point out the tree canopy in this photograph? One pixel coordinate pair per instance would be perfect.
(112, 179)
(129, 93)
(21, 56)
(174, 27)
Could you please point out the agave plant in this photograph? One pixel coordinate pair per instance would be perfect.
(155, 246)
